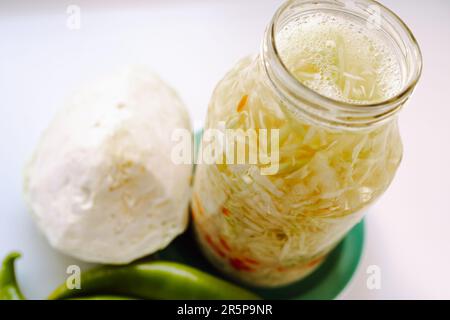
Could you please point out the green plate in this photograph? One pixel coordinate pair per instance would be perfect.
(323, 284)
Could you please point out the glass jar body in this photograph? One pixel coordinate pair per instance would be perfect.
(272, 229)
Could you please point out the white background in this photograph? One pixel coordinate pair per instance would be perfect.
(192, 44)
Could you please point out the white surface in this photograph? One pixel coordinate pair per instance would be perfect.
(192, 44)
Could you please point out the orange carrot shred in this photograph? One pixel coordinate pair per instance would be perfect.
(214, 246)
(240, 265)
(315, 262)
(224, 244)
(226, 212)
(251, 261)
(199, 205)
(242, 103)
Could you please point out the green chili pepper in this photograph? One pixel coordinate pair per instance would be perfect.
(153, 280)
(9, 289)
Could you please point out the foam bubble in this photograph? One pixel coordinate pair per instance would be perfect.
(339, 58)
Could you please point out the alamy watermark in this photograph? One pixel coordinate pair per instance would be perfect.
(374, 18)
(73, 21)
(73, 281)
(230, 146)
(373, 281)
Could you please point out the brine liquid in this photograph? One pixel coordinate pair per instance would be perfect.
(340, 59)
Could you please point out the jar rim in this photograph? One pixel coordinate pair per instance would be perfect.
(380, 109)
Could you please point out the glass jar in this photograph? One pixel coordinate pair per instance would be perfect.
(335, 156)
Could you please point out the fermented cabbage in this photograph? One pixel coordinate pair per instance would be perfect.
(269, 230)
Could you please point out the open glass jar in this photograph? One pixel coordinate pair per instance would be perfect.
(329, 81)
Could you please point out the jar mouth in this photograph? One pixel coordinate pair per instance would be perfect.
(352, 114)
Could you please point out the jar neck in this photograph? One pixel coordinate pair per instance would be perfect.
(306, 103)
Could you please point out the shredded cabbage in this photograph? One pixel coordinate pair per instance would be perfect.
(272, 230)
